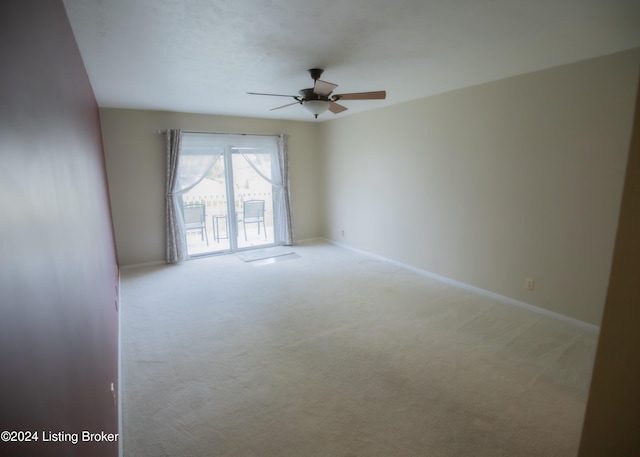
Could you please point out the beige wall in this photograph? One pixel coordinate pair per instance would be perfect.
(492, 184)
(135, 161)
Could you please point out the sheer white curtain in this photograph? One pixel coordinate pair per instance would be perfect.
(278, 177)
(189, 159)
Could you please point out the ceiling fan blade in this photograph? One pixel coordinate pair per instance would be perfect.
(323, 87)
(377, 95)
(273, 95)
(335, 108)
(284, 106)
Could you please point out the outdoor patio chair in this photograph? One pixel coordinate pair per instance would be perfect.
(253, 213)
(194, 219)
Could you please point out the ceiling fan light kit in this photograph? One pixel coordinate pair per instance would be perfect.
(316, 107)
(319, 98)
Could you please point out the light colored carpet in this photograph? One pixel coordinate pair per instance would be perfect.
(337, 354)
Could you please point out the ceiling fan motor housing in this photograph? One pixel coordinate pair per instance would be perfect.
(309, 94)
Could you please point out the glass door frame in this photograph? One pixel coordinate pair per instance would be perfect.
(256, 176)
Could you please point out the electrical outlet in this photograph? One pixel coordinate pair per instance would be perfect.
(342, 233)
(113, 394)
(529, 283)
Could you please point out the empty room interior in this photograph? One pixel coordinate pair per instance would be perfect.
(356, 228)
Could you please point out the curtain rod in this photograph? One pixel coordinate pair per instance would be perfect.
(220, 133)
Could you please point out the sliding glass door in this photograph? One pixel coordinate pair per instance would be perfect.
(207, 229)
(233, 204)
(253, 197)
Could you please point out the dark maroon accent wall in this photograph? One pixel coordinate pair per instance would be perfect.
(58, 279)
(612, 418)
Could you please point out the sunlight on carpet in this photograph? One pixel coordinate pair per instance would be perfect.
(266, 253)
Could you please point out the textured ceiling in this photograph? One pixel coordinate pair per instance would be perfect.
(202, 56)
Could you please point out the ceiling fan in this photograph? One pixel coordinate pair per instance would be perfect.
(319, 98)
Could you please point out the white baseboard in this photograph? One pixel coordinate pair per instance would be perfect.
(508, 300)
(141, 265)
(309, 240)
(119, 399)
